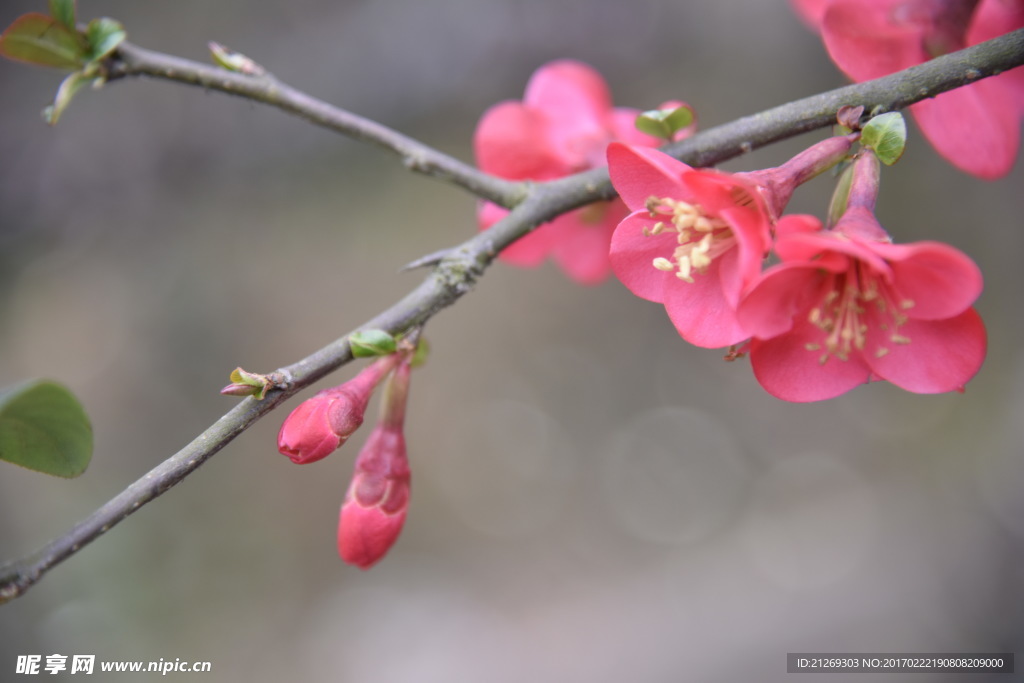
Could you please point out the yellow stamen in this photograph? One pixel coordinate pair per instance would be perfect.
(700, 237)
(842, 319)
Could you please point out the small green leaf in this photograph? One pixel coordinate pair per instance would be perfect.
(245, 383)
(679, 118)
(39, 39)
(234, 61)
(368, 343)
(840, 197)
(887, 136)
(104, 35)
(664, 123)
(43, 427)
(64, 12)
(68, 87)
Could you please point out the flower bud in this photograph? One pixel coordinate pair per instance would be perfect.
(320, 425)
(245, 383)
(377, 500)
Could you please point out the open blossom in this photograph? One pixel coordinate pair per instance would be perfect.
(561, 127)
(320, 425)
(377, 500)
(696, 238)
(977, 127)
(846, 306)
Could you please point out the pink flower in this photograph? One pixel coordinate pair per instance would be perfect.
(377, 500)
(320, 425)
(846, 306)
(561, 127)
(375, 506)
(695, 238)
(977, 127)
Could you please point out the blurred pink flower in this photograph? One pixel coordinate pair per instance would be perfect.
(561, 127)
(976, 127)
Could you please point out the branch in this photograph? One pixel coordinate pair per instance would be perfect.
(889, 93)
(459, 268)
(132, 60)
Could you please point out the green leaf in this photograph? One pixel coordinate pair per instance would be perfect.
(43, 427)
(64, 12)
(887, 136)
(104, 35)
(39, 39)
(840, 197)
(68, 87)
(245, 383)
(664, 123)
(234, 61)
(368, 343)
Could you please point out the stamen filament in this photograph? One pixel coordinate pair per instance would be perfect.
(701, 238)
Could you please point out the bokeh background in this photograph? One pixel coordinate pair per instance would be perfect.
(594, 500)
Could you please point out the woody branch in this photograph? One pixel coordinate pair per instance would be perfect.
(456, 269)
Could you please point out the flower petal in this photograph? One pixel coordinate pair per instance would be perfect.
(581, 248)
(632, 255)
(751, 231)
(942, 354)
(700, 311)
(716, 191)
(788, 370)
(507, 144)
(830, 251)
(792, 224)
(993, 18)
(572, 90)
(976, 128)
(940, 280)
(865, 41)
(781, 293)
(811, 11)
(577, 105)
(639, 173)
(528, 251)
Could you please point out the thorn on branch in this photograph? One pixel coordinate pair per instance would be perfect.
(431, 259)
(416, 162)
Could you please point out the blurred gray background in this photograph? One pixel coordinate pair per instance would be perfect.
(594, 500)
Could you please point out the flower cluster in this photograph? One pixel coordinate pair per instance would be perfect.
(843, 306)
(977, 127)
(375, 505)
(562, 126)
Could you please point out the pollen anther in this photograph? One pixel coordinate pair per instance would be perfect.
(700, 237)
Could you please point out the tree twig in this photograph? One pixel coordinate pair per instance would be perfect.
(132, 60)
(459, 267)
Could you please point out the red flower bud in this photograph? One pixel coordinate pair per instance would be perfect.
(378, 497)
(318, 426)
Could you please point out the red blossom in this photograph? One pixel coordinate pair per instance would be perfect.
(696, 238)
(375, 506)
(846, 307)
(977, 127)
(561, 127)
